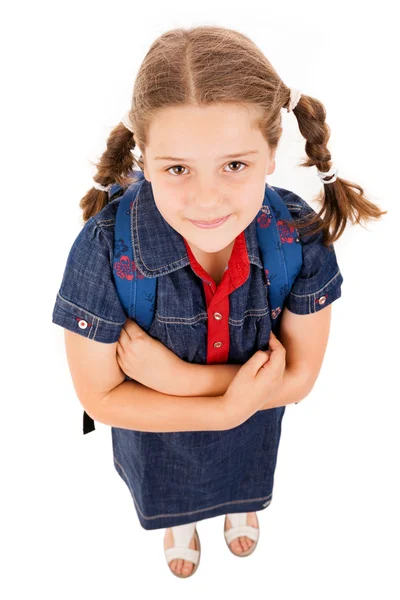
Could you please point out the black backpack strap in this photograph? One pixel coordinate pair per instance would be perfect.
(88, 423)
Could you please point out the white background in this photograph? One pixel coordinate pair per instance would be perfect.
(69, 528)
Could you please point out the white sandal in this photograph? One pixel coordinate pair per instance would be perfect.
(240, 528)
(182, 534)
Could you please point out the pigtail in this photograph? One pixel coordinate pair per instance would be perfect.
(341, 199)
(113, 167)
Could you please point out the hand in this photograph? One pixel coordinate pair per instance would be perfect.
(256, 380)
(146, 359)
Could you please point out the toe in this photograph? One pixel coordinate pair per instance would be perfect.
(187, 567)
(243, 543)
(246, 543)
(172, 565)
(235, 545)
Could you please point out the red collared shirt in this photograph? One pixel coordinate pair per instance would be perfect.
(217, 298)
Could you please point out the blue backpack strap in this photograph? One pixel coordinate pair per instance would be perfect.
(115, 187)
(281, 251)
(134, 290)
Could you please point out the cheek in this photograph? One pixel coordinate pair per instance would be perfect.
(170, 203)
(172, 211)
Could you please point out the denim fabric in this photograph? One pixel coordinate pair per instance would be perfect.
(181, 477)
(87, 289)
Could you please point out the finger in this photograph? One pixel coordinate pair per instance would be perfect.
(256, 361)
(273, 340)
(120, 350)
(131, 328)
(121, 362)
(124, 337)
(125, 332)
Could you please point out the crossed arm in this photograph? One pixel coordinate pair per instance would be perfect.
(304, 338)
(213, 380)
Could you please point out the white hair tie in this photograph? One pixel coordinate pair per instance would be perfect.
(103, 188)
(127, 121)
(295, 96)
(332, 171)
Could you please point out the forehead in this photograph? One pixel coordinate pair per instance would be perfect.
(191, 131)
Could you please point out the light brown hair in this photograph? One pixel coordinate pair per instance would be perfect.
(208, 64)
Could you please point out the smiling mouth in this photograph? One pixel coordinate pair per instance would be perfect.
(209, 222)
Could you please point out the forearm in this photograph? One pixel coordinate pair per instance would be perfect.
(132, 405)
(214, 380)
(294, 387)
(193, 379)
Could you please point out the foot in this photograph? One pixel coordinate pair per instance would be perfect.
(243, 543)
(178, 565)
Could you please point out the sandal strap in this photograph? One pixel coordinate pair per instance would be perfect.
(240, 528)
(183, 553)
(182, 535)
(243, 530)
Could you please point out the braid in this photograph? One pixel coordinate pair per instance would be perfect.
(114, 166)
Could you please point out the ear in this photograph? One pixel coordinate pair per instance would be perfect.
(145, 169)
(271, 166)
(146, 173)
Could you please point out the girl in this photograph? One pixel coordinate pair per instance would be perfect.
(196, 430)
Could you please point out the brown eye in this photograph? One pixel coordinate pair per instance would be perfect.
(237, 162)
(176, 167)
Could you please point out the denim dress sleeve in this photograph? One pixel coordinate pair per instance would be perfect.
(87, 301)
(319, 282)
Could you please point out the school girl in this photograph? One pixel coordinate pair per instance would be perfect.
(195, 404)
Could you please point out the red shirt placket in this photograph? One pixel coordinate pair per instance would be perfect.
(217, 298)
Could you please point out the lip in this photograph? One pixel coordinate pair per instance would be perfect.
(210, 224)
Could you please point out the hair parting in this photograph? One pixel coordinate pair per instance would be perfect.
(207, 64)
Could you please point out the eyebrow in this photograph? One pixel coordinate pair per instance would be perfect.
(234, 155)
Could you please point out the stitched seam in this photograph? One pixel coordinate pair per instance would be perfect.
(89, 313)
(136, 205)
(318, 291)
(192, 512)
(261, 312)
(101, 230)
(106, 222)
(109, 223)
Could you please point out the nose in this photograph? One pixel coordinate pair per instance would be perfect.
(207, 198)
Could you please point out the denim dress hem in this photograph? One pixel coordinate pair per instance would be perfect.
(230, 482)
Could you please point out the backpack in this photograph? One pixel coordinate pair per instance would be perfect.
(282, 259)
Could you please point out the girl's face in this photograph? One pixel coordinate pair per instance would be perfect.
(193, 178)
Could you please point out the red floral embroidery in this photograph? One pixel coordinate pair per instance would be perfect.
(275, 312)
(126, 269)
(264, 220)
(287, 232)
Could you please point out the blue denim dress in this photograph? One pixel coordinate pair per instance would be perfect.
(181, 477)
